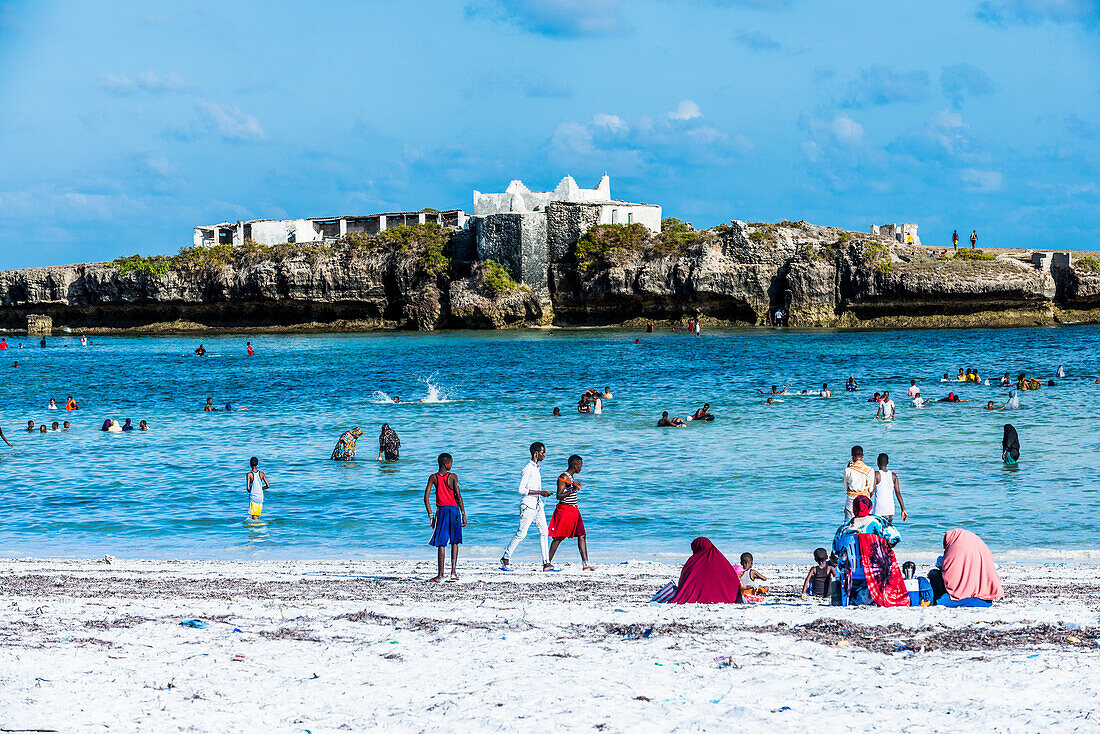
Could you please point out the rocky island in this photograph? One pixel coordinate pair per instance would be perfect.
(569, 256)
(415, 277)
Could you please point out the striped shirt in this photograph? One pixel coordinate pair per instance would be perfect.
(571, 493)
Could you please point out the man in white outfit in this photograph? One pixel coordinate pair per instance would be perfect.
(531, 508)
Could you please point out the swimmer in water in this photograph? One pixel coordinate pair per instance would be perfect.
(30, 426)
(961, 377)
(42, 428)
(210, 407)
(5, 440)
(248, 347)
(583, 406)
(876, 399)
(666, 422)
(201, 351)
(703, 414)
(885, 407)
(52, 405)
(952, 398)
(769, 401)
(825, 392)
(70, 404)
(945, 378)
(556, 413)
(54, 426)
(851, 385)
(775, 390)
(142, 426)
(64, 427)
(396, 399)
(993, 406)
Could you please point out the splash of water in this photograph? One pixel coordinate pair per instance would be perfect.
(380, 397)
(435, 393)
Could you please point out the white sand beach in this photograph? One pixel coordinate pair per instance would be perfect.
(357, 646)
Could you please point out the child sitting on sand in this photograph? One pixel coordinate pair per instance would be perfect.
(749, 575)
(817, 580)
(450, 515)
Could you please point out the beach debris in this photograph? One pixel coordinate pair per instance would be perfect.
(726, 661)
(194, 623)
(642, 698)
(239, 657)
(717, 700)
(108, 560)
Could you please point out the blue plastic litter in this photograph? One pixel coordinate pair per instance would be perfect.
(196, 623)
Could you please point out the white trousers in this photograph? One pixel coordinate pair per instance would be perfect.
(527, 514)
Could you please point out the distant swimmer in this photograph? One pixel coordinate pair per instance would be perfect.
(142, 425)
(1061, 373)
(666, 422)
(54, 426)
(993, 406)
(256, 484)
(769, 401)
(945, 378)
(52, 405)
(1013, 402)
(210, 407)
(825, 391)
(1006, 381)
(389, 445)
(83, 340)
(914, 391)
(919, 402)
(648, 327)
(1010, 445)
(851, 385)
(886, 408)
(703, 414)
(5, 440)
(877, 398)
(345, 446)
(774, 391)
(593, 393)
(201, 351)
(127, 426)
(584, 406)
(952, 398)
(42, 428)
(30, 427)
(962, 375)
(556, 413)
(3, 344)
(396, 399)
(248, 347)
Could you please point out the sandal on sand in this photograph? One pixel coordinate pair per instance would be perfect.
(433, 580)
(589, 568)
(452, 578)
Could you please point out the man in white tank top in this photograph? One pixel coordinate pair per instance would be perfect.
(886, 407)
(886, 489)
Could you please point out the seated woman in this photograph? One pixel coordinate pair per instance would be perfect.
(866, 566)
(967, 576)
(707, 577)
(345, 447)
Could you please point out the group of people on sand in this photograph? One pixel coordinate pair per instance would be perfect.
(447, 517)
(862, 567)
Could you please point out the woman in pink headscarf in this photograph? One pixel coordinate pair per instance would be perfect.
(967, 569)
(707, 577)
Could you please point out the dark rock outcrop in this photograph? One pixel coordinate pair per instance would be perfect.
(736, 274)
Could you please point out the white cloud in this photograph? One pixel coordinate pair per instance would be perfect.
(230, 122)
(686, 110)
(146, 81)
(845, 129)
(982, 181)
(571, 138)
(613, 123)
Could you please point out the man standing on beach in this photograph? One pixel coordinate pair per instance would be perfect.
(531, 508)
(858, 479)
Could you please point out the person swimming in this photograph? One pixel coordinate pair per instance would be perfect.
(142, 426)
(825, 392)
(703, 414)
(876, 399)
(583, 406)
(52, 405)
(556, 413)
(396, 399)
(774, 391)
(945, 378)
(851, 385)
(210, 407)
(201, 351)
(666, 422)
(952, 398)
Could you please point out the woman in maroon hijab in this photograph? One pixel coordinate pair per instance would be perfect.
(707, 578)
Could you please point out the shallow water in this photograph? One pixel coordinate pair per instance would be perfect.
(761, 478)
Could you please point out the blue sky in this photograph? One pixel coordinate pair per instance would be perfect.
(125, 124)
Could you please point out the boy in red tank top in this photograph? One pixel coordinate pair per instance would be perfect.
(450, 515)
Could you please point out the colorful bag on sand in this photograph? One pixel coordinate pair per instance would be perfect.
(665, 595)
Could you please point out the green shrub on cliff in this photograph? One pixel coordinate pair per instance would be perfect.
(607, 244)
(497, 278)
(203, 257)
(762, 233)
(156, 266)
(1089, 263)
(877, 255)
(676, 237)
(973, 255)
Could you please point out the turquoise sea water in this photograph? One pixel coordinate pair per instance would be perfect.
(759, 478)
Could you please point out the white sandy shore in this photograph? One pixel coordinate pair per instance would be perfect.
(352, 646)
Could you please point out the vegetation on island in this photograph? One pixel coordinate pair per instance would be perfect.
(498, 280)
(615, 244)
(973, 255)
(877, 255)
(1089, 263)
(429, 243)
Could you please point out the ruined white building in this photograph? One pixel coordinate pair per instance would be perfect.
(318, 229)
(899, 232)
(518, 199)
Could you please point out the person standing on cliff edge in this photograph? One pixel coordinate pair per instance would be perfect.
(973, 239)
(955, 240)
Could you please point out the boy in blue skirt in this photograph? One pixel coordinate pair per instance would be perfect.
(449, 517)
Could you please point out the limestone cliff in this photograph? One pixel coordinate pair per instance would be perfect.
(735, 274)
